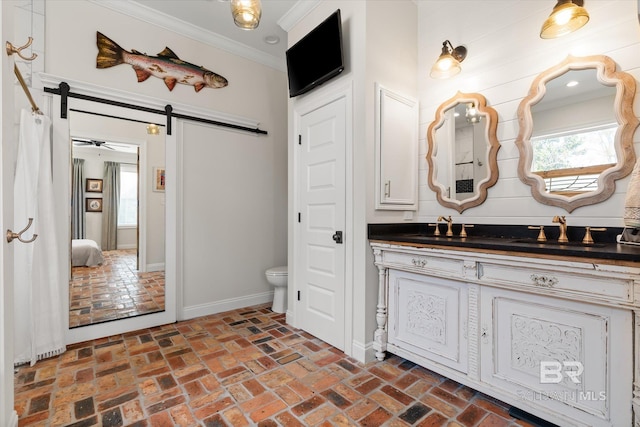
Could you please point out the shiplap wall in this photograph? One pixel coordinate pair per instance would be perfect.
(505, 54)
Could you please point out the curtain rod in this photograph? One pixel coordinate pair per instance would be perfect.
(64, 91)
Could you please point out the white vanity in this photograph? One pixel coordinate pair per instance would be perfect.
(490, 318)
(551, 328)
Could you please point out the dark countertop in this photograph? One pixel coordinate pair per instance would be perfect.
(511, 238)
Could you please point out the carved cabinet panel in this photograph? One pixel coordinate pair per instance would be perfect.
(429, 315)
(557, 352)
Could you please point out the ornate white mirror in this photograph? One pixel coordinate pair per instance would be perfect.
(462, 152)
(576, 132)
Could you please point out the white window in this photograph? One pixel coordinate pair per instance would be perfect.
(128, 212)
(575, 148)
(571, 162)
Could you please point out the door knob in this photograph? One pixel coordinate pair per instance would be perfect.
(337, 237)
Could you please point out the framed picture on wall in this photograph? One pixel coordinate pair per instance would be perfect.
(158, 179)
(93, 205)
(93, 185)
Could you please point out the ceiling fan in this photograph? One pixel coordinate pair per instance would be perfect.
(92, 142)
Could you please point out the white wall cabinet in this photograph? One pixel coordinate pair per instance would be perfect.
(551, 337)
(396, 136)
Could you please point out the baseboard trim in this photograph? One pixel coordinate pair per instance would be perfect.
(291, 318)
(226, 305)
(363, 353)
(13, 419)
(124, 247)
(155, 267)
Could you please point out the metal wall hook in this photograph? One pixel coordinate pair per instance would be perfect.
(11, 235)
(11, 49)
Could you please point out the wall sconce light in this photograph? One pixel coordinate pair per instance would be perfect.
(246, 13)
(566, 17)
(153, 129)
(448, 64)
(472, 114)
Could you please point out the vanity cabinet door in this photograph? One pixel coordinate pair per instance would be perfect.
(396, 151)
(428, 317)
(559, 356)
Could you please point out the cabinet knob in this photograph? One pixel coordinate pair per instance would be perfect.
(544, 281)
(419, 262)
(484, 334)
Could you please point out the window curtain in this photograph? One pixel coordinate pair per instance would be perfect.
(78, 227)
(110, 202)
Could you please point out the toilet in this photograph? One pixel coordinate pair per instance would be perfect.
(277, 277)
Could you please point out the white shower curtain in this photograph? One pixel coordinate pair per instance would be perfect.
(39, 322)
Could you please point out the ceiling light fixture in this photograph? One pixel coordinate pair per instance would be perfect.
(246, 13)
(566, 17)
(448, 64)
(153, 129)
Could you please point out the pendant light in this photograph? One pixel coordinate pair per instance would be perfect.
(471, 114)
(246, 13)
(566, 17)
(448, 63)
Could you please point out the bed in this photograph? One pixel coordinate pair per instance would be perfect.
(85, 252)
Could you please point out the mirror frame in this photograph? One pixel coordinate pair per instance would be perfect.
(627, 123)
(492, 143)
(62, 163)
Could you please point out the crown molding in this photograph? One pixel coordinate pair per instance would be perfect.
(297, 12)
(151, 16)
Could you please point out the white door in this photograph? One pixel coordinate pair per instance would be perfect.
(321, 195)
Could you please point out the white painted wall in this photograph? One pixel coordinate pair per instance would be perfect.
(505, 55)
(234, 217)
(593, 112)
(8, 415)
(253, 221)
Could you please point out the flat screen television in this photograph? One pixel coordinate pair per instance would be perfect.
(317, 57)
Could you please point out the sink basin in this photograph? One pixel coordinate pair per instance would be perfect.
(556, 243)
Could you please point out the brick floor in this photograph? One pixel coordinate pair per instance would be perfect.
(113, 290)
(245, 367)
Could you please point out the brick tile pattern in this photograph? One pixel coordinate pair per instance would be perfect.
(241, 368)
(113, 290)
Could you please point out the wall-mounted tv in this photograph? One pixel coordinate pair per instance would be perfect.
(317, 57)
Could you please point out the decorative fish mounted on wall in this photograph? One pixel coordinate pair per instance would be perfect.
(166, 66)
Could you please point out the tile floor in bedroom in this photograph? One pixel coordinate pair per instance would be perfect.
(245, 367)
(113, 290)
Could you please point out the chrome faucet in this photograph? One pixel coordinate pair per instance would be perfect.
(449, 222)
(562, 224)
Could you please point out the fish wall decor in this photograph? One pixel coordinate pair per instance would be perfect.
(166, 66)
